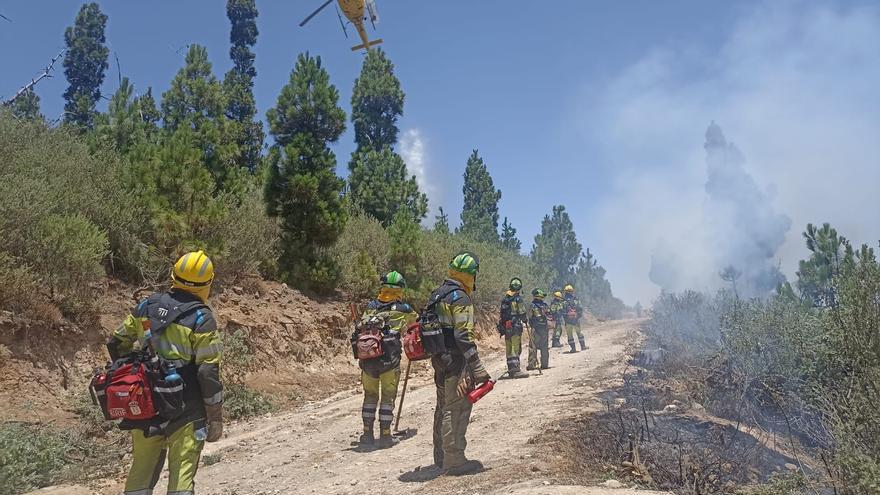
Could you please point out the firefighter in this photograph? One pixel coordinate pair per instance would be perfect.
(380, 376)
(192, 344)
(510, 326)
(458, 370)
(539, 315)
(557, 309)
(573, 314)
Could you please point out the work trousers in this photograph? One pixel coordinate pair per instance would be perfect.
(183, 452)
(379, 391)
(538, 343)
(452, 414)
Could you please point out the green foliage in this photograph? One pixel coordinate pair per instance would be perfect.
(362, 253)
(69, 249)
(195, 104)
(556, 247)
(61, 207)
(84, 65)
(806, 364)
(816, 275)
(441, 223)
(379, 184)
(245, 239)
(238, 84)
(29, 458)
(376, 103)
(508, 237)
(594, 290)
(302, 188)
(26, 106)
(406, 249)
(242, 402)
(479, 215)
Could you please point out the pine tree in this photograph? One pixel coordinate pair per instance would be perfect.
(405, 237)
(817, 275)
(479, 216)
(376, 103)
(26, 106)
(379, 182)
(302, 188)
(441, 223)
(196, 100)
(594, 290)
(84, 65)
(508, 237)
(556, 247)
(379, 185)
(238, 84)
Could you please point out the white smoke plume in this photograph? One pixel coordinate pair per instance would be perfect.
(795, 85)
(412, 149)
(739, 229)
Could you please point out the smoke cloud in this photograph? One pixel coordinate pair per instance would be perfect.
(412, 150)
(740, 231)
(795, 85)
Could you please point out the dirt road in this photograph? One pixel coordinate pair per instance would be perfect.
(310, 450)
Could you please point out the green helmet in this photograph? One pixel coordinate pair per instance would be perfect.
(394, 280)
(466, 263)
(515, 284)
(538, 293)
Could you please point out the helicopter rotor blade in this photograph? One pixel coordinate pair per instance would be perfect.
(313, 14)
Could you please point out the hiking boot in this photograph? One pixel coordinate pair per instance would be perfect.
(556, 343)
(367, 438)
(387, 441)
(469, 467)
(531, 368)
(518, 374)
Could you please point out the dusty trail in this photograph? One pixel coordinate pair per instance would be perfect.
(309, 450)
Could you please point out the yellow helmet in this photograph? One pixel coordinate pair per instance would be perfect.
(569, 288)
(194, 272)
(557, 294)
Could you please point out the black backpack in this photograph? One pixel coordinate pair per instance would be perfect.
(432, 328)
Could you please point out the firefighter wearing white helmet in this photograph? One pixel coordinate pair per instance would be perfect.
(185, 340)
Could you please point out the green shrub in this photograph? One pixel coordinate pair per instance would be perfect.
(245, 239)
(362, 253)
(242, 402)
(30, 457)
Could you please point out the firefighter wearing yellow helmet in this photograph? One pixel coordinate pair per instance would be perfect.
(573, 312)
(179, 327)
(557, 309)
(512, 319)
(380, 376)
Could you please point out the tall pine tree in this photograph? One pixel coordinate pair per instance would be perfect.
(479, 216)
(238, 84)
(379, 181)
(84, 65)
(556, 247)
(302, 188)
(508, 237)
(196, 101)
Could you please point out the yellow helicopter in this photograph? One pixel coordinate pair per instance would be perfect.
(357, 11)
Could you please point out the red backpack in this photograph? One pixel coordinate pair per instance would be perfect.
(369, 340)
(412, 343)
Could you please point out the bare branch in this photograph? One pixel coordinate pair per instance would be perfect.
(47, 72)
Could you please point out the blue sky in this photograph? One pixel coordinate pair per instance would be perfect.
(568, 101)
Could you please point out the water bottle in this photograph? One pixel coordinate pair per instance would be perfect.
(201, 434)
(171, 374)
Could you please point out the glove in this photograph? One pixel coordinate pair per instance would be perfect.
(481, 376)
(214, 421)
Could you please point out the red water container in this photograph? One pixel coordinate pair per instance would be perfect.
(480, 392)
